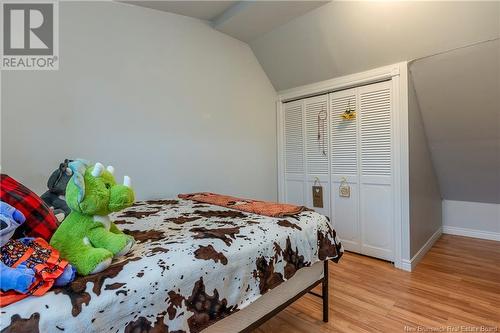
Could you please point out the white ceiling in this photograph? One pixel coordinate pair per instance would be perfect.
(248, 20)
(203, 10)
(244, 20)
(459, 97)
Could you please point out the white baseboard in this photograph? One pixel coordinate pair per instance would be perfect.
(409, 265)
(471, 219)
(405, 265)
(471, 233)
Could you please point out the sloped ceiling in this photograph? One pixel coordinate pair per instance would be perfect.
(248, 20)
(459, 97)
(203, 10)
(344, 37)
(244, 20)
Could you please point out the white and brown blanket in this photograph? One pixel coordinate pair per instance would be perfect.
(193, 264)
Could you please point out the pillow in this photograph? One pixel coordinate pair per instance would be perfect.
(40, 220)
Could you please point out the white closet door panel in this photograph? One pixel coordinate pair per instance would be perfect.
(380, 180)
(376, 217)
(294, 192)
(294, 152)
(344, 157)
(316, 135)
(325, 183)
(344, 164)
(345, 216)
(375, 129)
(375, 149)
(294, 137)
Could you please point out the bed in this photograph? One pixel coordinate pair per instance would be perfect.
(195, 267)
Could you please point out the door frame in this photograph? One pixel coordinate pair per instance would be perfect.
(398, 75)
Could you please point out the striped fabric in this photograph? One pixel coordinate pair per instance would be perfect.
(40, 220)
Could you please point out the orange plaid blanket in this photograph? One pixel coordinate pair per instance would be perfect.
(266, 208)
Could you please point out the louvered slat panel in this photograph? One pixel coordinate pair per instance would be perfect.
(343, 134)
(294, 141)
(375, 122)
(316, 148)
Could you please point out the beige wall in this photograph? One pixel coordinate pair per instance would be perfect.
(164, 98)
(425, 196)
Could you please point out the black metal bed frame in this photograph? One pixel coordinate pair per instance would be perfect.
(323, 296)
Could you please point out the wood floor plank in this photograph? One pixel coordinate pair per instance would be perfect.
(456, 284)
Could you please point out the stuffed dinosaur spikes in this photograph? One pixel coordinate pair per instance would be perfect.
(87, 238)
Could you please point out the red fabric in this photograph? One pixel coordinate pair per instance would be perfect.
(272, 209)
(40, 220)
(37, 255)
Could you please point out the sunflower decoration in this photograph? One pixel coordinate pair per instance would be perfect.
(349, 113)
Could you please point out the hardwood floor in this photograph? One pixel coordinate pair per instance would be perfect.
(456, 284)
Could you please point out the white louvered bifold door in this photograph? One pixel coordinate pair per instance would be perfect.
(317, 150)
(320, 144)
(344, 165)
(376, 159)
(293, 118)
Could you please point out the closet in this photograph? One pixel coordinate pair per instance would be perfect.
(337, 155)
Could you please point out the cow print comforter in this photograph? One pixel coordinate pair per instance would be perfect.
(193, 264)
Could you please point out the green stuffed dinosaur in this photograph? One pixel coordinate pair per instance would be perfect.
(87, 238)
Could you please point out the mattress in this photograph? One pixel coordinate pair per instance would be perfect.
(192, 266)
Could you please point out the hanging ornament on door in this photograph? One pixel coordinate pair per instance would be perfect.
(317, 193)
(349, 113)
(344, 188)
(322, 131)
